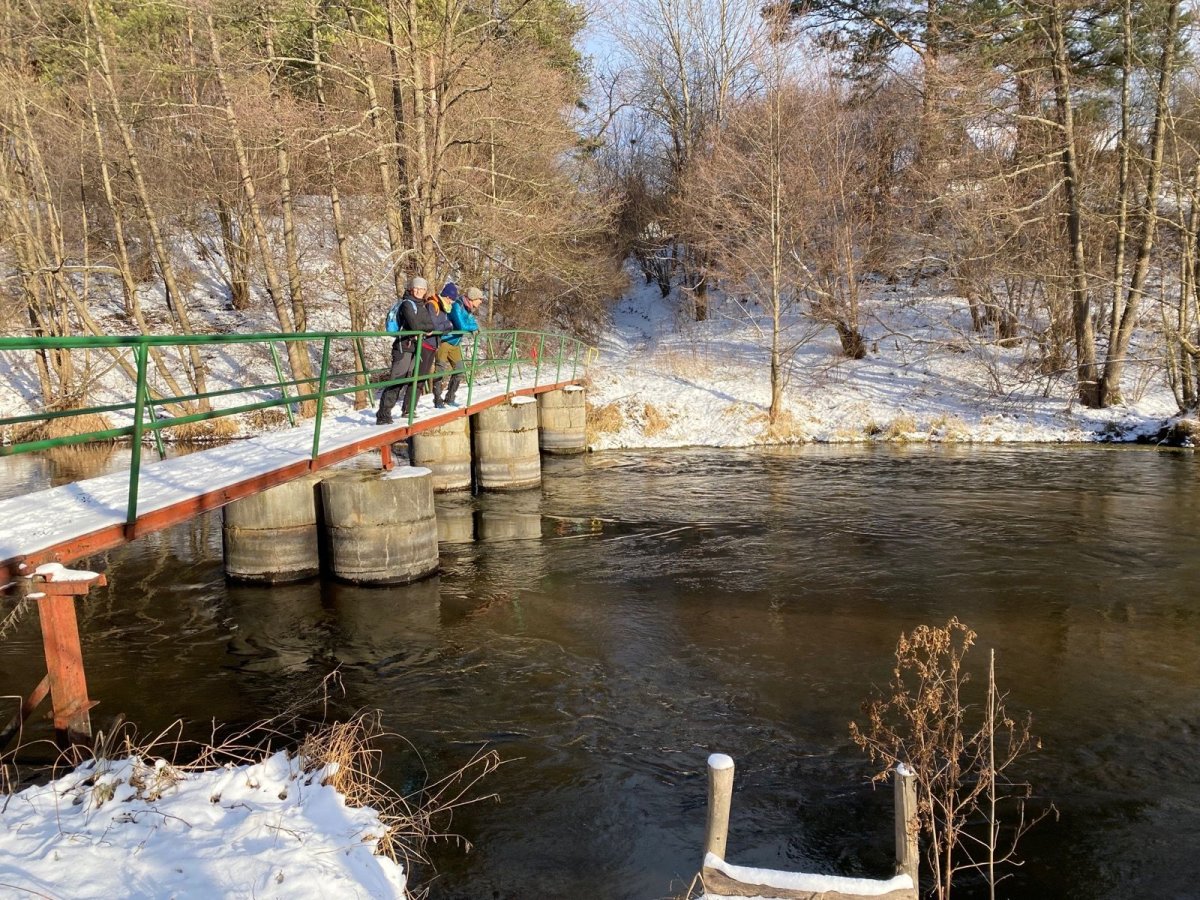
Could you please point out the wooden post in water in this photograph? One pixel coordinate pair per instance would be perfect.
(907, 829)
(720, 798)
(56, 590)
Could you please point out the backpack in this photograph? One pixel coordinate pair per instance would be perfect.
(392, 325)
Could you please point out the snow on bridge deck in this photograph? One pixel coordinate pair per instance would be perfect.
(71, 521)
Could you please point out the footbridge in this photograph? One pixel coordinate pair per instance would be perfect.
(520, 391)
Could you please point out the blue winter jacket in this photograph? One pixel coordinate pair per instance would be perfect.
(463, 320)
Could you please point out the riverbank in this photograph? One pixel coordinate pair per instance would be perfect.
(140, 827)
(665, 380)
(661, 379)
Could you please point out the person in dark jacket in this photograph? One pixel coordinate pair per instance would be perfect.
(449, 355)
(413, 316)
(430, 343)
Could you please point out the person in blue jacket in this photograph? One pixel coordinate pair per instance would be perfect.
(449, 354)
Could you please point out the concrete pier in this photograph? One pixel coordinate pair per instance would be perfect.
(271, 537)
(562, 418)
(446, 452)
(380, 529)
(506, 446)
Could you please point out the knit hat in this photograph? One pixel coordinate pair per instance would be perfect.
(474, 295)
(450, 291)
(418, 282)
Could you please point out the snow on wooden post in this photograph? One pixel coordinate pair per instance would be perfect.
(907, 849)
(720, 797)
(56, 590)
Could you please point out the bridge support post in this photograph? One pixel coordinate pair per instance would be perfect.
(271, 537)
(446, 451)
(562, 418)
(380, 529)
(56, 589)
(506, 446)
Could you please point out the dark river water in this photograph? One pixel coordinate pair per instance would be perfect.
(642, 610)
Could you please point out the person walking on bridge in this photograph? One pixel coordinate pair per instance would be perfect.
(431, 342)
(449, 355)
(408, 314)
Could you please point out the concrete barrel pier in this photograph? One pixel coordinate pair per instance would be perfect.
(380, 529)
(446, 451)
(563, 418)
(506, 446)
(271, 537)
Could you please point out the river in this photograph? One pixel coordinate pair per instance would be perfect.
(642, 610)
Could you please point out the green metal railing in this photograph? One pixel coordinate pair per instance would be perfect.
(500, 357)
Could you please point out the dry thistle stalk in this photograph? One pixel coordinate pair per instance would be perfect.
(959, 752)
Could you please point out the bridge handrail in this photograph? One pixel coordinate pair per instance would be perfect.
(503, 353)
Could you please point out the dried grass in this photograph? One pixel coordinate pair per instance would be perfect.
(786, 429)
(684, 363)
(606, 419)
(267, 419)
(202, 432)
(950, 428)
(67, 426)
(346, 753)
(653, 421)
(901, 429)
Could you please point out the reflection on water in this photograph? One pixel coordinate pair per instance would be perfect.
(608, 632)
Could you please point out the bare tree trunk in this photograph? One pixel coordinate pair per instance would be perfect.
(133, 306)
(297, 356)
(283, 159)
(1122, 170)
(1085, 338)
(176, 299)
(1114, 366)
(402, 182)
(358, 317)
(237, 254)
(395, 228)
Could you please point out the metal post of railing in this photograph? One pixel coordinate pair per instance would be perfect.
(575, 360)
(473, 369)
(320, 398)
(158, 441)
(142, 351)
(537, 368)
(558, 372)
(512, 360)
(282, 388)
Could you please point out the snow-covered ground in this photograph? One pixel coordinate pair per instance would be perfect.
(663, 380)
(139, 828)
(135, 828)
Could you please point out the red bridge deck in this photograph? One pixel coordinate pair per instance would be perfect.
(76, 520)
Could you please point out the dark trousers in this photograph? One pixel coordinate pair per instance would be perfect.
(428, 354)
(403, 355)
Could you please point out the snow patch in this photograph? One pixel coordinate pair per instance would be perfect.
(134, 829)
(802, 881)
(406, 472)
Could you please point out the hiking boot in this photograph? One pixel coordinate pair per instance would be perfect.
(383, 419)
(438, 404)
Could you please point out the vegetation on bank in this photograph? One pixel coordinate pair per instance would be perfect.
(289, 156)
